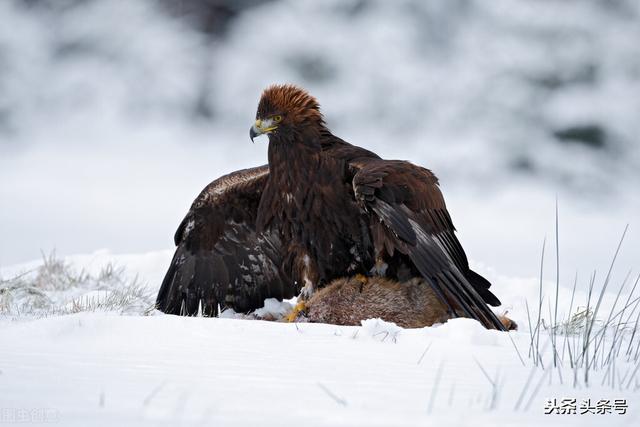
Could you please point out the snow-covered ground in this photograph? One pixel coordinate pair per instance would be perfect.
(123, 364)
(114, 114)
(95, 369)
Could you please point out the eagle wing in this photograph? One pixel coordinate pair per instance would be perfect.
(220, 259)
(410, 216)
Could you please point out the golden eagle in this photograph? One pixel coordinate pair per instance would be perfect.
(322, 209)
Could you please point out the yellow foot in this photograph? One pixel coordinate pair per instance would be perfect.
(300, 307)
(362, 278)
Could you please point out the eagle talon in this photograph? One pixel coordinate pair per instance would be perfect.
(362, 278)
(299, 309)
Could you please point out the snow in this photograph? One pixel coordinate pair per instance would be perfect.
(141, 367)
(274, 309)
(380, 330)
(103, 145)
(165, 370)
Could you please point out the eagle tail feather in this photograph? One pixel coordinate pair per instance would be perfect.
(482, 285)
(181, 292)
(437, 269)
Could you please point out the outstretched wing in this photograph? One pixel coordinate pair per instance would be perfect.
(410, 216)
(220, 260)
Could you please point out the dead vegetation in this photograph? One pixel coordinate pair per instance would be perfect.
(56, 288)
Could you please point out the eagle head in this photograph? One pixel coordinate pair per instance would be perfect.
(285, 108)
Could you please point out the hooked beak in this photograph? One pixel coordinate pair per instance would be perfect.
(260, 127)
(253, 133)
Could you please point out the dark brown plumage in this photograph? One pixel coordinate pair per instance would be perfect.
(342, 210)
(220, 258)
(331, 209)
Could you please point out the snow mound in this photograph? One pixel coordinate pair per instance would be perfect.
(381, 330)
(466, 331)
(273, 309)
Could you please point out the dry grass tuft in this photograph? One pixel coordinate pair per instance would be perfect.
(56, 288)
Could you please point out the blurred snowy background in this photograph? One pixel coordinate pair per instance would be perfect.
(114, 114)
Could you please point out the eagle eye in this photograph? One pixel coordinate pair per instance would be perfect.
(277, 118)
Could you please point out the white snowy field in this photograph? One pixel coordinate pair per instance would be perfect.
(119, 363)
(114, 115)
(97, 369)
